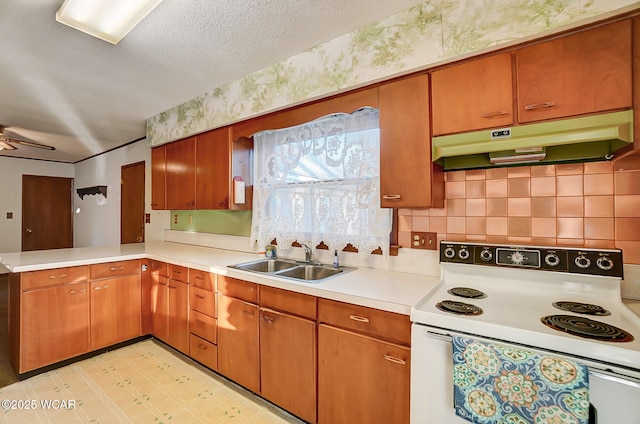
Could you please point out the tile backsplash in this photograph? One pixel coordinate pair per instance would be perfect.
(586, 204)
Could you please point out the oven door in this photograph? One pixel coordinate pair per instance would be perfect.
(615, 399)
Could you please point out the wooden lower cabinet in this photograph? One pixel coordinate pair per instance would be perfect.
(160, 307)
(115, 310)
(238, 348)
(178, 315)
(288, 362)
(55, 325)
(361, 379)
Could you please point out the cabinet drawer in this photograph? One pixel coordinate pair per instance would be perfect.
(288, 301)
(239, 289)
(179, 273)
(203, 301)
(50, 277)
(159, 268)
(113, 269)
(204, 280)
(203, 325)
(374, 322)
(204, 352)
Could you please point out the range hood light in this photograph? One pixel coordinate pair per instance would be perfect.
(5, 146)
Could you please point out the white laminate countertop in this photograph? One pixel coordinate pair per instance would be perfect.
(386, 290)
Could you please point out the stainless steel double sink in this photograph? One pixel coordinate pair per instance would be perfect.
(289, 268)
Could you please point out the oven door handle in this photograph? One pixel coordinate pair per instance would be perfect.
(616, 378)
(438, 336)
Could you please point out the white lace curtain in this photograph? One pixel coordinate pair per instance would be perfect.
(320, 182)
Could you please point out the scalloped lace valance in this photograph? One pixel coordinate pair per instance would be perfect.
(320, 182)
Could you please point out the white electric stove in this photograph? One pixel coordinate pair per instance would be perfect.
(561, 301)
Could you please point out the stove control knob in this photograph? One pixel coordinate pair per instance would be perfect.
(486, 255)
(604, 263)
(552, 259)
(463, 253)
(449, 253)
(582, 262)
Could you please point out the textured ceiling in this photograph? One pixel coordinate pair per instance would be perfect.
(84, 96)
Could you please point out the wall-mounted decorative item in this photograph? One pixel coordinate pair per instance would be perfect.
(92, 190)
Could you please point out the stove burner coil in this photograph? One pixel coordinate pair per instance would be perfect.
(587, 328)
(467, 292)
(459, 308)
(581, 308)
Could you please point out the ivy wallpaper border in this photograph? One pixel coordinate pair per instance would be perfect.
(434, 31)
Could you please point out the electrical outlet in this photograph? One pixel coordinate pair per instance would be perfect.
(175, 218)
(424, 240)
(9, 215)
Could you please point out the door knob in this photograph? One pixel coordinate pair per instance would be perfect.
(29, 230)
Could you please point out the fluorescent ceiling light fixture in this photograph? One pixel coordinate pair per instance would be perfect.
(109, 20)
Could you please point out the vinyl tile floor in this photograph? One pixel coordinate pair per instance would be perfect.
(144, 382)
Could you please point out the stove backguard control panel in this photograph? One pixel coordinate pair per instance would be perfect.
(606, 262)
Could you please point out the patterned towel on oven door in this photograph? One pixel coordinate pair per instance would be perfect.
(499, 384)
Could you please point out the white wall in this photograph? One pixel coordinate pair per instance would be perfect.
(11, 171)
(98, 221)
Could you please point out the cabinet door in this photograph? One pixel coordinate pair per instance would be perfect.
(160, 307)
(288, 362)
(158, 177)
(178, 323)
(181, 174)
(473, 95)
(578, 74)
(212, 169)
(115, 310)
(238, 349)
(408, 177)
(361, 379)
(55, 325)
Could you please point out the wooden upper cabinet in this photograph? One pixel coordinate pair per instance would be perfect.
(582, 73)
(473, 95)
(408, 177)
(212, 169)
(181, 174)
(158, 175)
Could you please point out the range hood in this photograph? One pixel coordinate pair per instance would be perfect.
(582, 139)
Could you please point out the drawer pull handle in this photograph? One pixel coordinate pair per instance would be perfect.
(77, 291)
(543, 105)
(267, 319)
(199, 277)
(359, 318)
(200, 321)
(199, 296)
(172, 287)
(495, 114)
(244, 311)
(392, 196)
(175, 271)
(162, 284)
(101, 288)
(201, 346)
(395, 360)
(119, 268)
(53, 277)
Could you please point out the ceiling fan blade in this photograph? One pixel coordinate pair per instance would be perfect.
(5, 146)
(32, 144)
